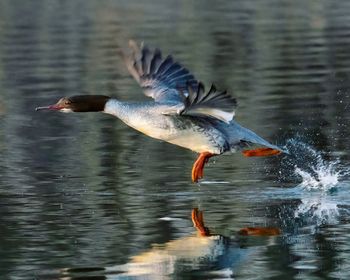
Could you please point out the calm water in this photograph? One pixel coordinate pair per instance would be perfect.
(82, 196)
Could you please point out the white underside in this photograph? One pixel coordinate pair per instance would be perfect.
(161, 127)
(189, 139)
(196, 142)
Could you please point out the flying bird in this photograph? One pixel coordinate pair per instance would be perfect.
(182, 111)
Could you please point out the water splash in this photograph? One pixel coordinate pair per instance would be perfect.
(309, 165)
(324, 176)
(318, 209)
(318, 177)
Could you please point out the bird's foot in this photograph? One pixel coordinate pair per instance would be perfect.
(198, 166)
(261, 152)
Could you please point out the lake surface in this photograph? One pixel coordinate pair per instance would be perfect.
(82, 196)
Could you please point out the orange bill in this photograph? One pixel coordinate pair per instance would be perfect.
(260, 231)
(261, 152)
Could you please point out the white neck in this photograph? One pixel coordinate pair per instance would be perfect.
(115, 108)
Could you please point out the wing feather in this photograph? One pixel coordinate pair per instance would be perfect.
(146, 60)
(160, 78)
(156, 61)
(216, 104)
(168, 82)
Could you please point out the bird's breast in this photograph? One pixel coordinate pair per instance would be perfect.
(177, 130)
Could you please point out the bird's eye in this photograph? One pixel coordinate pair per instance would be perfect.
(67, 102)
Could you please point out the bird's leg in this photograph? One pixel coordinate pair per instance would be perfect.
(198, 166)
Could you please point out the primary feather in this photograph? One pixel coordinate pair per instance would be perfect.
(169, 83)
(213, 103)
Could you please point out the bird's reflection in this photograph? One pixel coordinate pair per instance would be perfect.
(202, 252)
(198, 222)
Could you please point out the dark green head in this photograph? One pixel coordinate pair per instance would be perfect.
(78, 103)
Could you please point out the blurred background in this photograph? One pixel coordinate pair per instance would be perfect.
(81, 193)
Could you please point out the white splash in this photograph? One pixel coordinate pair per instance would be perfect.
(318, 178)
(309, 165)
(324, 176)
(319, 209)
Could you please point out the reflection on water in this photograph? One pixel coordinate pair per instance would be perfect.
(84, 192)
(205, 254)
(319, 208)
(319, 178)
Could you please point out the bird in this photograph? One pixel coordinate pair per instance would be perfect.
(182, 112)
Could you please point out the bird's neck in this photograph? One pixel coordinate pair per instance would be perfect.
(133, 114)
(116, 108)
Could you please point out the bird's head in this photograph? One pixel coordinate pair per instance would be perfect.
(78, 103)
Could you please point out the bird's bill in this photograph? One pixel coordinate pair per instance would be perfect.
(54, 107)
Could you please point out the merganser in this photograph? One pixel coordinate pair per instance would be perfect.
(182, 112)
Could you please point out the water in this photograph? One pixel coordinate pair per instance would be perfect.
(82, 196)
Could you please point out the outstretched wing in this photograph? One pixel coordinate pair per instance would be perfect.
(174, 87)
(216, 104)
(162, 79)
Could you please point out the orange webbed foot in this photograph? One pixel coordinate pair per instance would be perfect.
(198, 166)
(261, 152)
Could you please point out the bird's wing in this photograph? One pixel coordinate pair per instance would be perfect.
(160, 78)
(169, 83)
(216, 104)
